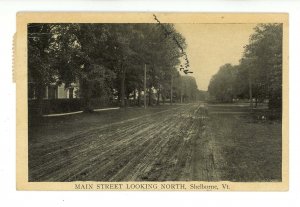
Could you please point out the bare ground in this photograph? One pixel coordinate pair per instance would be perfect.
(179, 143)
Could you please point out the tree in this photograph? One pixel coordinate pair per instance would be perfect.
(41, 72)
(81, 57)
(265, 51)
(105, 59)
(259, 71)
(221, 85)
(187, 89)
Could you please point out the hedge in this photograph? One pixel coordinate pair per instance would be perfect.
(52, 106)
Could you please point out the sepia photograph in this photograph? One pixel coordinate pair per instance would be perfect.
(192, 102)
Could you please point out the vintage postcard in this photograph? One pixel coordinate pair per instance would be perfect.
(152, 101)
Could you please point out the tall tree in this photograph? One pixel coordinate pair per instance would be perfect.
(265, 51)
(259, 72)
(82, 58)
(221, 85)
(41, 72)
(105, 59)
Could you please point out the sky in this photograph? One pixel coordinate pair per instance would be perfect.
(210, 46)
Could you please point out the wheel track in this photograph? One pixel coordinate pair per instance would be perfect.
(53, 149)
(84, 150)
(124, 151)
(151, 134)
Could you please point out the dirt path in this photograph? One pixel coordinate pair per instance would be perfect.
(186, 143)
(161, 146)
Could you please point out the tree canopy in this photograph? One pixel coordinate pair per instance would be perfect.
(107, 60)
(260, 68)
(222, 85)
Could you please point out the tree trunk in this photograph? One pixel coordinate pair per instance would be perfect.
(181, 96)
(123, 85)
(171, 95)
(158, 95)
(139, 97)
(134, 96)
(163, 96)
(150, 96)
(127, 99)
(86, 94)
(181, 91)
(119, 95)
(151, 84)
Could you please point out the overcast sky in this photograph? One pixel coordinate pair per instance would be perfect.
(211, 45)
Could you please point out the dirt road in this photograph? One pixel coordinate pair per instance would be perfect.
(178, 144)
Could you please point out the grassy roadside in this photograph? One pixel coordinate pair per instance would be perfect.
(248, 148)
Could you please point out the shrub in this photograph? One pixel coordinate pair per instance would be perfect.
(51, 106)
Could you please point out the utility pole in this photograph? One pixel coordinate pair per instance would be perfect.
(181, 91)
(171, 98)
(145, 86)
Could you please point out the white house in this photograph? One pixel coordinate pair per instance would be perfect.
(56, 91)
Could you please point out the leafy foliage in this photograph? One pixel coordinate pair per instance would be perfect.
(260, 67)
(222, 85)
(106, 60)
